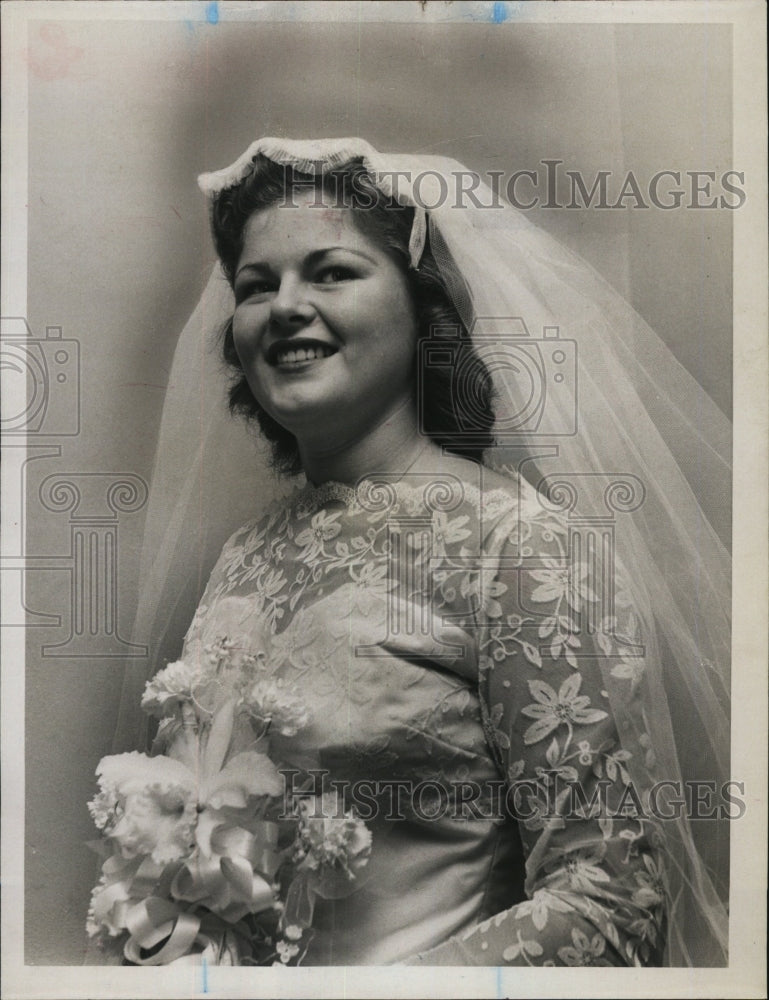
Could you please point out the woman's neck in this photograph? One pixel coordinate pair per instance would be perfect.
(390, 447)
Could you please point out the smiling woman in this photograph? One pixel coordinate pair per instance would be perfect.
(483, 670)
(349, 306)
(338, 282)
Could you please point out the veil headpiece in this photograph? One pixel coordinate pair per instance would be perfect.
(603, 420)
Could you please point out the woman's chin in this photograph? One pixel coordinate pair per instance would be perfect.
(308, 413)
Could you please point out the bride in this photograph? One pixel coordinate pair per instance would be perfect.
(500, 597)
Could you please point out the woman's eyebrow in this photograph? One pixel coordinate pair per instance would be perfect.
(310, 259)
(316, 255)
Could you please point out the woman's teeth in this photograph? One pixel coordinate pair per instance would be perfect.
(299, 354)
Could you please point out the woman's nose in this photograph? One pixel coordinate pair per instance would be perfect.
(290, 306)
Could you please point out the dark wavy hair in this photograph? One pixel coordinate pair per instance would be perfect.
(456, 412)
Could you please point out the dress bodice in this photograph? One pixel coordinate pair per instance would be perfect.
(436, 628)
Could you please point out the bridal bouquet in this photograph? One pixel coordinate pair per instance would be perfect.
(203, 857)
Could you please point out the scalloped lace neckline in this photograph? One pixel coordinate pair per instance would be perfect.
(374, 494)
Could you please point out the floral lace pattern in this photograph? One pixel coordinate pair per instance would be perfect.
(453, 641)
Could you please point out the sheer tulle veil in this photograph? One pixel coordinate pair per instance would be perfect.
(597, 413)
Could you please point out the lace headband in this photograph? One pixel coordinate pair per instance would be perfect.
(317, 156)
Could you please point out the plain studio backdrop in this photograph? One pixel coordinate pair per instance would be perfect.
(123, 116)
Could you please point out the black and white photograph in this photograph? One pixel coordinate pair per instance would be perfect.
(384, 562)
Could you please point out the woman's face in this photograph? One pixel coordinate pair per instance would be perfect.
(324, 324)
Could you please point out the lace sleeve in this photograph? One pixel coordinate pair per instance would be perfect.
(558, 702)
(220, 583)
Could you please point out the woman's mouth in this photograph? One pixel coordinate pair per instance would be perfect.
(283, 355)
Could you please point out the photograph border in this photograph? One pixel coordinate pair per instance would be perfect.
(745, 976)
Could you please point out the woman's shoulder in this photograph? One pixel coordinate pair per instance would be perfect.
(500, 503)
(497, 492)
(264, 522)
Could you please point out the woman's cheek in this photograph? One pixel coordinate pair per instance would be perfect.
(245, 333)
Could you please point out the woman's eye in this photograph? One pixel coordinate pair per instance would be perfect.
(253, 289)
(332, 275)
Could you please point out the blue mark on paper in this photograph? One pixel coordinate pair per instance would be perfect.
(204, 984)
(212, 12)
(494, 13)
(499, 970)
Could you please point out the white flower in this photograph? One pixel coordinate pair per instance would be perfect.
(562, 581)
(586, 951)
(204, 678)
(330, 837)
(106, 911)
(539, 906)
(522, 949)
(230, 652)
(629, 669)
(171, 686)
(271, 702)
(582, 868)
(323, 527)
(146, 805)
(161, 807)
(371, 586)
(448, 532)
(286, 951)
(651, 889)
(566, 707)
